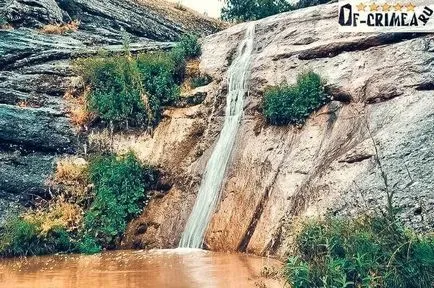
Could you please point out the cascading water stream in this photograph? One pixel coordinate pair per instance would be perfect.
(209, 191)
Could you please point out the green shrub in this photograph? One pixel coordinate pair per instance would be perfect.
(188, 48)
(178, 56)
(22, 238)
(119, 194)
(116, 89)
(246, 10)
(19, 238)
(157, 71)
(130, 89)
(286, 104)
(121, 184)
(370, 252)
(190, 45)
(88, 245)
(308, 3)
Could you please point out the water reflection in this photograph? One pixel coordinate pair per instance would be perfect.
(179, 268)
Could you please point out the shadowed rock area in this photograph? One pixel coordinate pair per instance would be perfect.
(35, 73)
(379, 83)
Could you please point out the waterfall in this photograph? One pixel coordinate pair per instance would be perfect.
(209, 191)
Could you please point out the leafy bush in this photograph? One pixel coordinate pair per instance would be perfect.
(286, 104)
(119, 194)
(130, 90)
(370, 252)
(121, 184)
(187, 48)
(88, 245)
(116, 89)
(190, 45)
(158, 80)
(21, 237)
(178, 57)
(246, 10)
(308, 3)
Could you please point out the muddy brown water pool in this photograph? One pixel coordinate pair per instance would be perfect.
(179, 268)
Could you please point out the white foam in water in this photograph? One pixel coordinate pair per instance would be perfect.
(178, 251)
(209, 191)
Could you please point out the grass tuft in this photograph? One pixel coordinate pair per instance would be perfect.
(60, 28)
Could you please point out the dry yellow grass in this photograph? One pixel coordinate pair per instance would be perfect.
(60, 28)
(70, 179)
(28, 103)
(23, 104)
(100, 141)
(69, 170)
(58, 214)
(65, 209)
(192, 68)
(78, 112)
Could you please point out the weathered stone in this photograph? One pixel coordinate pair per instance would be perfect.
(33, 13)
(154, 20)
(24, 173)
(38, 129)
(22, 178)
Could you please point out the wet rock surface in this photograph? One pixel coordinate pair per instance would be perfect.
(279, 175)
(35, 73)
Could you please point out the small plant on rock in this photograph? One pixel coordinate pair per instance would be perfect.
(190, 45)
(157, 70)
(292, 104)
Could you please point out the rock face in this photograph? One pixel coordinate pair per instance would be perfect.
(35, 73)
(102, 21)
(382, 86)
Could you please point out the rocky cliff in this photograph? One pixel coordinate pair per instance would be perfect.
(382, 88)
(35, 73)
